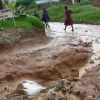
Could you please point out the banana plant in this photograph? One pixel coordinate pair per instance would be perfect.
(9, 4)
(20, 10)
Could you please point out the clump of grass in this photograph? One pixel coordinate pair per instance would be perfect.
(56, 13)
(37, 22)
(23, 22)
(6, 24)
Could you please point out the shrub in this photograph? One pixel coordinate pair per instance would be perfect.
(37, 22)
(19, 11)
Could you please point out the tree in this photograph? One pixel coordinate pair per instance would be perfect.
(24, 2)
(9, 4)
(1, 6)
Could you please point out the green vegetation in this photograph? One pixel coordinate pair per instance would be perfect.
(25, 2)
(11, 4)
(11, 34)
(36, 23)
(23, 22)
(81, 13)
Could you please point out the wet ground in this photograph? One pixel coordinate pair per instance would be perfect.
(65, 54)
(86, 33)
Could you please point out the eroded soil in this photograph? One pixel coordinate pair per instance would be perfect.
(64, 55)
(88, 87)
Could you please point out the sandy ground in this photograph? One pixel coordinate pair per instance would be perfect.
(64, 55)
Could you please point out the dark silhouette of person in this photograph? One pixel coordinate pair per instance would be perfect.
(45, 18)
(36, 15)
(68, 20)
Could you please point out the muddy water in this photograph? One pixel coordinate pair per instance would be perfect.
(86, 33)
(31, 56)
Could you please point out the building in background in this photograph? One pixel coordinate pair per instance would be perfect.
(45, 1)
(72, 1)
(61, 1)
(48, 3)
(96, 3)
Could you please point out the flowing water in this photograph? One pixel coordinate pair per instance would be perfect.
(21, 54)
(84, 32)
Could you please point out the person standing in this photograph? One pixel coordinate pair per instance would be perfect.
(69, 20)
(46, 18)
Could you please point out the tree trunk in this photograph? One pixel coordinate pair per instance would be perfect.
(1, 6)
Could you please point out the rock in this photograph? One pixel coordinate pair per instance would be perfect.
(63, 86)
(20, 97)
(75, 79)
(91, 61)
(25, 91)
(8, 97)
(77, 92)
(85, 44)
(59, 90)
(73, 69)
(86, 30)
(20, 89)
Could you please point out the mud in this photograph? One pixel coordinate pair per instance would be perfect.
(64, 55)
(43, 65)
(88, 87)
(9, 38)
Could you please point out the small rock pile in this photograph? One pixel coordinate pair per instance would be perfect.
(56, 91)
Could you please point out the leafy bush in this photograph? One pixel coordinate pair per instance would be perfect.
(20, 10)
(24, 2)
(86, 2)
(37, 22)
(9, 4)
(26, 23)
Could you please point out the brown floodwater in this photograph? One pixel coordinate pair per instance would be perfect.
(84, 32)
(29, 54)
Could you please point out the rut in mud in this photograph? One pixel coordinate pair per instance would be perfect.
(62, 56)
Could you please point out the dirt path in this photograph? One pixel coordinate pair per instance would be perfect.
(64, 55)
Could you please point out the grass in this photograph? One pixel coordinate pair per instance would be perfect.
(24, 23)
(81, 13)
(10, 34)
